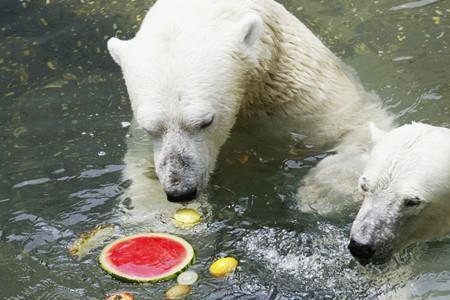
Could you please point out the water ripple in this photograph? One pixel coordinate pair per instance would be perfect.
(414, 4)
(31, 182)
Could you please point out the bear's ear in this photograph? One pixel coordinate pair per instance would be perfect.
(376, 133)
(116, 48)
(251, 27)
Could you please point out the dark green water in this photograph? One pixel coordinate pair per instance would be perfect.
(62, 145)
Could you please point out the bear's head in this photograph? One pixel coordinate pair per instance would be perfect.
(406, 187)
(186, 78)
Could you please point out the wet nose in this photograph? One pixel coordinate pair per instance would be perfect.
(182, 196)
(362, 252)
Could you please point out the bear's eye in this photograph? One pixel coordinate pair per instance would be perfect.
(412, 202)
(155, 132)
(207, 123)
(364, 187)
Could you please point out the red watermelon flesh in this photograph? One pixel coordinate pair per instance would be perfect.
(148, 257)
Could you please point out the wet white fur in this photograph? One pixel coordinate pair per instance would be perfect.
(412, 161)
(407, 162)
(229, 58)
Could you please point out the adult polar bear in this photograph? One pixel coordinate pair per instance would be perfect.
(195, 66)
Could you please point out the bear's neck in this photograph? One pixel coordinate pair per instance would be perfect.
(302, 78)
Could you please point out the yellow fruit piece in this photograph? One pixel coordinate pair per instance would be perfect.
(178, 292)
(223, 266)
(244, 159)
(186, 217)
(44, 22)
(19, 130)
(437, 20)
(51, 65)
(121, 296)
(91, 240)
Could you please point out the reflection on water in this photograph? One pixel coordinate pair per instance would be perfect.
(64, 113)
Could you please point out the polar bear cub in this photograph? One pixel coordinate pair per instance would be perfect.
(406, 191)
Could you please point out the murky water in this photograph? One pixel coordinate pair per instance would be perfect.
(62, 144)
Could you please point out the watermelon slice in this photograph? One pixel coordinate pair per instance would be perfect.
(148, 257)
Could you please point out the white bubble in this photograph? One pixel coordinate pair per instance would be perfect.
(125, 124)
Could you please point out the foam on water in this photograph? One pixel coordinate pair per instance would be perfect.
(317, 263)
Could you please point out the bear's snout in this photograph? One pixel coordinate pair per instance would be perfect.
(363, 252)
(179, 178)
(182, 196)
(180, 185)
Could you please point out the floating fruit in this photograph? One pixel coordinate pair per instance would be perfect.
(187, 278)
(244, 159)
(178, 292)
(91, 240)
(148, 257)
(186, 217)
(121, 296)
(223, 266)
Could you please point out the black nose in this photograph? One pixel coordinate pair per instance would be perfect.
(183, 196)
(362, 252)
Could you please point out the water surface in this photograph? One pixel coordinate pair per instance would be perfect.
(63, 102)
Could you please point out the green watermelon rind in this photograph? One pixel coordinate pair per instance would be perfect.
(102, 259)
